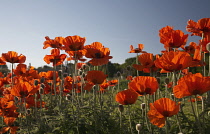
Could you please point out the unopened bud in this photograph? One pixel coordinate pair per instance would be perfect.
(138, 127)
(167, 80)
(118, 74)
(36, 82)
(68, 97)
(158, 74)
(84, 66)
(28, 111)
(42, 80)
(60, 72)
(143, 105)
(208, 47)
(120, 108)
(41, 90)
(128, 68)
(158, 79)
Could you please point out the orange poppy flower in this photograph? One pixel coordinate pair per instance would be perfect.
(147, 63)
(76, 55)
(56, 58)
(173, 61)
(104, 86)
(73, 43)
(96, 77)
(144, 85)
(23, 89)
(197, 57)
(191, 48)
(200, 27)
(56, 43)
(112, 82)
(161, 109)
(172, 38)
(98, 53)
(192, 84)
(126, 97)
(9, 121)
(137, 50)
(13, 57)
(130, 78)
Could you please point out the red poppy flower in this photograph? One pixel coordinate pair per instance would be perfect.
(23, 89)
(9, 121)
(76, 55)
(200, 27)
(56, 58)
(126, 97)
(73, 43)
(96, 77)
(161, 109)
(173, 61)
(192, 84)
(98, 53)
(172, 38)
(191, 48)
(56, 43)
(137, 50)
(144, 85)
(13, 57)
(147, 63)
(112, 82)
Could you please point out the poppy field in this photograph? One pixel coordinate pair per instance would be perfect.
(173, 96)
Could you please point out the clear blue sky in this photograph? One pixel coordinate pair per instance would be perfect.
(117, 24)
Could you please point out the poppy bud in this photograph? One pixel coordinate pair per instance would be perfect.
(68, 97)
(138, 127)
(65, 74)
(158, 79)
(42, 80)
(16, 99)
(118, 74)
(60, 72)
(83, 75)
(80, 72)
(208, 47)
(143, 105)
(42, 86)
(158, 74)
(41, 91)
(180, 133)
(128, 68)
(84, 66)
(121, 108)
(28, 111)
(167, 80)
(36, 82)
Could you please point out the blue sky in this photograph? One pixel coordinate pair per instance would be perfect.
(117, 24)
